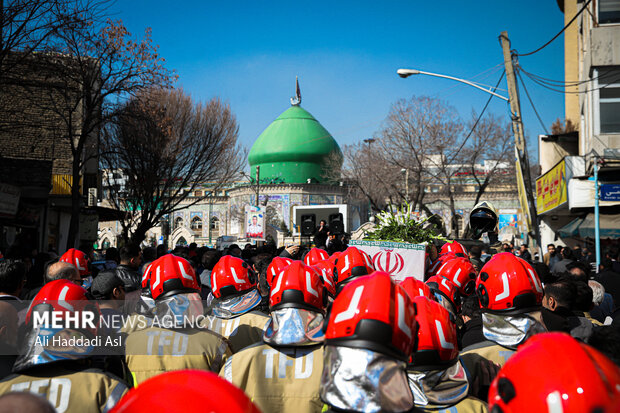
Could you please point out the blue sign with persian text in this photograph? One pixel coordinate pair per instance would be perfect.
(610, 192)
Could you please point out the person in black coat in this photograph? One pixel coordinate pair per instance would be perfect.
(471, 331)
(320, 235)
(610, 280)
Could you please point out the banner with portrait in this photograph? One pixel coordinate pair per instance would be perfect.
(254, 222)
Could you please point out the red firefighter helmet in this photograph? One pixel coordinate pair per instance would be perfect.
(65, 297)
(375, 313)
(172, 275)
(446, 292)
(326, 271)
(505, 285)
(534, 278)
(315, 255)
(416, 288)
(146, 278)
(572, 377)
(298, 286)
(437, 338)
(455, 248)
(275, 267)
(231, 275)
(171, 391)
(352, 263)
(436, 265)
(332, 258)
(77, 258)
(461, 272)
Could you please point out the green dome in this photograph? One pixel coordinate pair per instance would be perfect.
(294, 148)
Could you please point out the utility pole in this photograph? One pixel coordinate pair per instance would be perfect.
(257, 185)
(369, 141)
(524, 180)
(210, 216)
(406, 172)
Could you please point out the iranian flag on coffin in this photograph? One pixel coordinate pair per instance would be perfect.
(399, 259)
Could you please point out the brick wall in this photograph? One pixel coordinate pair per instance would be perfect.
(34, 113)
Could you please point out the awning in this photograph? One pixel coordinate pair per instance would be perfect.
(584, 227)
(108, 214)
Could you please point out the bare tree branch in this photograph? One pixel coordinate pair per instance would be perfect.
(167, 146)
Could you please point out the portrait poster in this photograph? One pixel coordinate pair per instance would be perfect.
(254, 223)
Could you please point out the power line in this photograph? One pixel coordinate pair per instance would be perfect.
(552, 82)
(609, 81)
(559, 33)
(558, 83)
(532, 103)
(479, 117)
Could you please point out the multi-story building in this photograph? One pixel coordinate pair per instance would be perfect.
(36, 158)
(565, 190)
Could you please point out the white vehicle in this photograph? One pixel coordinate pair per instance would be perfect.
(225, 241)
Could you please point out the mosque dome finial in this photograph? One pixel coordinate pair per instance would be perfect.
(296, 100)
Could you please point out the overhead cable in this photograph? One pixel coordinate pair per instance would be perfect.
(559, 33)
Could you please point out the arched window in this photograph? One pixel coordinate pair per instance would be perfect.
(196, 224)
(215, 226)
(105, 244)
(182, 241)
(178, 222)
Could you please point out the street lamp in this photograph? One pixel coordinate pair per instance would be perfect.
(525, 191)
(408, 72)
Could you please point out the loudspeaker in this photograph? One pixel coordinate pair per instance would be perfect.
(308, 225)
(336, 224)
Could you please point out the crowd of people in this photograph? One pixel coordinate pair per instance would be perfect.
(301, 329)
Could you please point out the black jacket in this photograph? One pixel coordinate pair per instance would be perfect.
(471, 333)
(568, 321)
(611, 281)
(320, 237)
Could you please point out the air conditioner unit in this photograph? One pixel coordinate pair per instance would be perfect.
(92, 197)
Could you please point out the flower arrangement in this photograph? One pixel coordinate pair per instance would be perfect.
(401, 225)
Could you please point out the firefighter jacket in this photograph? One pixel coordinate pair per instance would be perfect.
(69, 389)
(284, 379)
(475, 357)
(485, 349)
(155, 350)
(467, 405)
(242, 331)
(136, 322)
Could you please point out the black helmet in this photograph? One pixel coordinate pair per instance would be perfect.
(483, 218)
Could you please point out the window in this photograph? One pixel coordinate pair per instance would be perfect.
(215, 224)
(608, 11)
(197, 193)
(196, 224)
(214, 230)
(609, 100)
(178, 222)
